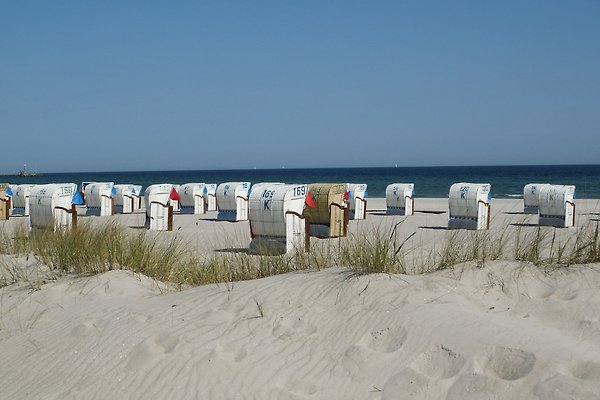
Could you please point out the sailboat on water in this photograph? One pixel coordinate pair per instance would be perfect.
(25, 172)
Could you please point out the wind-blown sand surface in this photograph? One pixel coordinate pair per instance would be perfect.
(504, 329)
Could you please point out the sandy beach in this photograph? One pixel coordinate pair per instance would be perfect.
(499, 329)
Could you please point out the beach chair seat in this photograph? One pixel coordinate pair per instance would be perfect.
(52, 206)
(159, 211)
(329, 216)
(557, 206)
(232, 201)
(357, 200)
(399, 199)
(276, 221)
(469, 206)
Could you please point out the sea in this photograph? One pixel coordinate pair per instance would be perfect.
(506, 181)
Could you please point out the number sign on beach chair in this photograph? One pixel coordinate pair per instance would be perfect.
(99, 198)
(52, 206)
(557, 206)
(232, 201)
(469, 206)
(531, 197)
(357, 200)
(159, 211)
(329, 217)
(20, 199)
(276, 221)
(5, 201)
(399, 199)
(210, 196)
(128, 198)
(192, 198)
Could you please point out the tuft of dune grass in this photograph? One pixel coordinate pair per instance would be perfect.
(89, 250)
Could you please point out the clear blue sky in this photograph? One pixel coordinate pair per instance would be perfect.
(119, 85)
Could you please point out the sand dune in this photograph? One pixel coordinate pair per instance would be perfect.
(503, 331)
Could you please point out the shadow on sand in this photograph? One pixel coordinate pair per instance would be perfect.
(242, 250)
(437, 212)
(525, 225)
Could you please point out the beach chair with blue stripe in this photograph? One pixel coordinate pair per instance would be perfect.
(52, 206)
(232, 201)
(469, 206)
(357, 200)
(159, 211)
(99, 198)
(531, 197)
(557, 206)
(192, 198)
(400, 199)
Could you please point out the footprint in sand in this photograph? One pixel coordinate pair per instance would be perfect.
(356, 358)
(386, 340)
(570, 295)
(366, 353)
(476, 387)
(87, 328)
(301, 388)
(292, 392)
(539, 289)
(560, 387)
(508, 363)
(289, 328)
(439, 362)
(227, 352)
(151, 350)
(407, 384)
(586, 370)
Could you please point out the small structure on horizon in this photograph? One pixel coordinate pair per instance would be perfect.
(277, 224)
(469, 206)
(399, 199)
(232, 201)
(192, 198)
(328, 210)
(357, 200)
(557, 206)
(52, 206)
(531, 197)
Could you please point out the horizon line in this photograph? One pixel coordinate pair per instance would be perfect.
(304, 168)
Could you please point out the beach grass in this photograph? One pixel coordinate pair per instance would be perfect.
(377, 251)
(88, 250)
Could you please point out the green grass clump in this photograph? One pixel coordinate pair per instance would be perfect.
(89, 250)
(379, 251)
(543, 248)
(86, 250)
(464, 246)
(586, 248)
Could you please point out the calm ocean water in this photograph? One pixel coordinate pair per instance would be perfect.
(506, 181)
